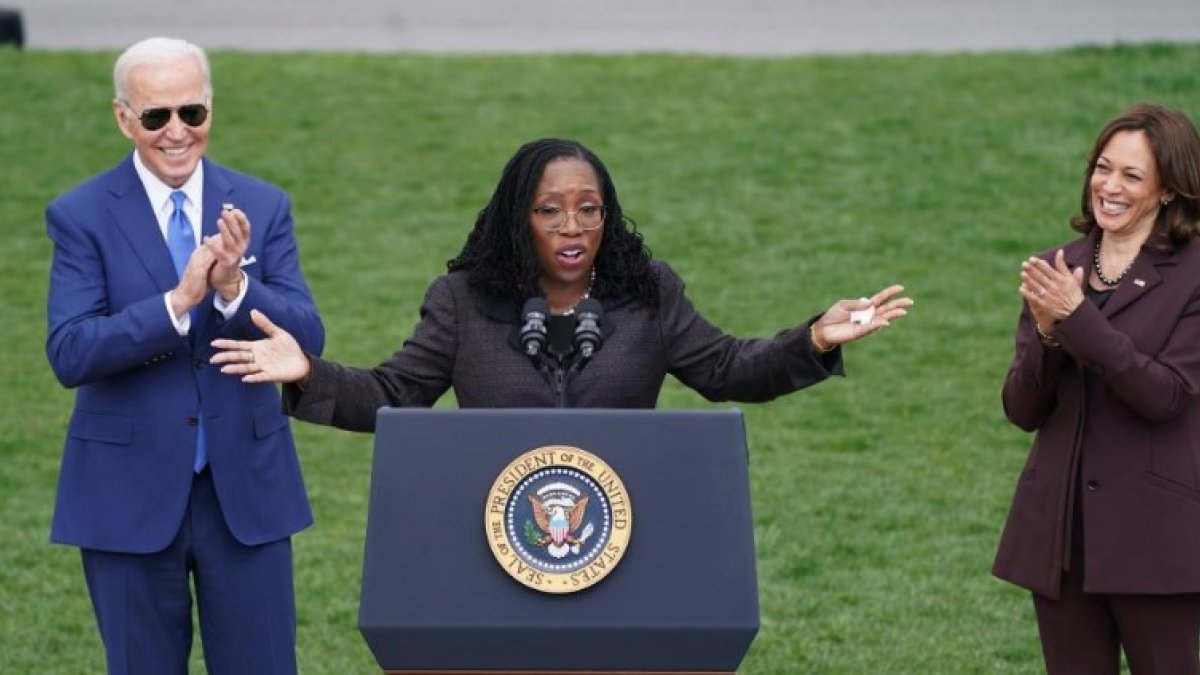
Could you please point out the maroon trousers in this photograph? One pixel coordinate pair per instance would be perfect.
(1083, 633)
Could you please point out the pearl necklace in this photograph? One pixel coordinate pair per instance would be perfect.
(586, 294)
(1100, 272)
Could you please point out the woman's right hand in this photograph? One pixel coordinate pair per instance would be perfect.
(275, 358)
(1053, 292)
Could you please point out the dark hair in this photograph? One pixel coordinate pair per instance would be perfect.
(499, 252)
(1176, 149)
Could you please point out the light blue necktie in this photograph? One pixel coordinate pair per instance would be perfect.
(182, 241)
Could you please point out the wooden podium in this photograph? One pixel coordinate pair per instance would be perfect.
(682, 599)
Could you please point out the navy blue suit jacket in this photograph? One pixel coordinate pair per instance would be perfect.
(141, 387)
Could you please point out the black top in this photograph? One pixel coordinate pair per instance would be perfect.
(561, 331)
(1097, 296)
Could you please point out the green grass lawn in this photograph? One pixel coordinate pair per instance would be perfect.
(774, 186)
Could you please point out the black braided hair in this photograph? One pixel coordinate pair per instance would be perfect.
(499, 252)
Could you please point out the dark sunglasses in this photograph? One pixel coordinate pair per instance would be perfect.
(192, 114)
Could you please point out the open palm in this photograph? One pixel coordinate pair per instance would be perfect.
(836, 327)
(275, 358)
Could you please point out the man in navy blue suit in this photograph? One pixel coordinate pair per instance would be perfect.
(172, 473)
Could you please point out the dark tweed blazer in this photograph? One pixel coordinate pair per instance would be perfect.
(1117, 416)
(469, 342)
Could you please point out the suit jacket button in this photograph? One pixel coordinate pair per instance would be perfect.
(1092, 486)
(193, 421)
(198, 363)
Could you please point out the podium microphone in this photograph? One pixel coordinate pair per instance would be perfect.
(589, 313)
(533, 326)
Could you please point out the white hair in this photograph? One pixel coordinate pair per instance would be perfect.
(158, 50)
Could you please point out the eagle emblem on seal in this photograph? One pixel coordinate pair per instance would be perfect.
(559, 512)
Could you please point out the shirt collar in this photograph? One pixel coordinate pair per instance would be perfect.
(160, 193)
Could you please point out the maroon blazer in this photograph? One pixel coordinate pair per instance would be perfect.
(1134, 434)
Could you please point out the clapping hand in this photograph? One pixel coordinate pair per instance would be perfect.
(193, 282)
(849, 320)
(1052, 292)
(275, 358)
(228, 247)
(215, 264)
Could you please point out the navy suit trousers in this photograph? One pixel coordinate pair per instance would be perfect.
(244, 596)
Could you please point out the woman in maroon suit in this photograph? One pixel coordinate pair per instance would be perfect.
(1105, 524)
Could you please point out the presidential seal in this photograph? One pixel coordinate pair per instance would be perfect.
(558, 519)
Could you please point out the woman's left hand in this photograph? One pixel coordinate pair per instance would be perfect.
(849, 320)
(276, 358)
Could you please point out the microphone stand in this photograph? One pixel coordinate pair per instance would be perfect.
(558, 374)
(587, 339)
(558, 370)
(565, 377)
(551, 371)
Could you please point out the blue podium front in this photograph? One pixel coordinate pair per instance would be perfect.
(682, 597)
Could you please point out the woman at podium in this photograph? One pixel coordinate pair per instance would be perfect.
(555, 301)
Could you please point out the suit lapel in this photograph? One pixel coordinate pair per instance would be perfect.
(217, 190)
(1141, 279)
(1138, 282)
(131, 211)
(1077, 254)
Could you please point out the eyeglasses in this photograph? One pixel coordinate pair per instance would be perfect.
(588, 217)
(153, 119)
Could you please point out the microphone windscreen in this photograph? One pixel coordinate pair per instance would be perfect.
(533, 326)
(535, 304)
(590, 306)
(589, 314)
